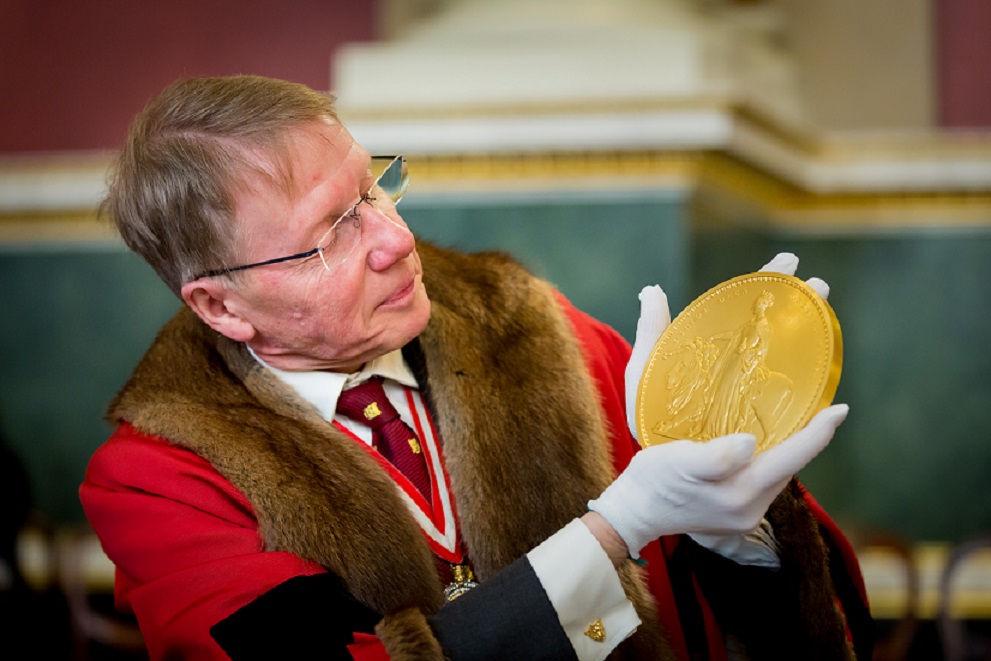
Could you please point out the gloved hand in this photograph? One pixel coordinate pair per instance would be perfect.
(717, 489)
(758, 547)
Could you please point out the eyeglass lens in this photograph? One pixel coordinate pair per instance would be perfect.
(394, 177)
(338, 244)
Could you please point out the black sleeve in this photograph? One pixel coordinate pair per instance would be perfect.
(307, 617)
(313, 617)
(507, 617)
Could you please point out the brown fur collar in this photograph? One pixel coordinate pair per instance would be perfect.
(791, 613)
(517, 413)
(805, 564)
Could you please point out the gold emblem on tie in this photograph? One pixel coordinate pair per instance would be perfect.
(414, 445)
(596, 631)
(372, 411)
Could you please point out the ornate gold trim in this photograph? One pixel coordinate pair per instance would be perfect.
(54, 227)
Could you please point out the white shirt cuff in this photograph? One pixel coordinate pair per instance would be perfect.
(584, 588)
(758, 547)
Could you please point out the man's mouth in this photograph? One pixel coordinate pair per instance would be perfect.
(401, 295)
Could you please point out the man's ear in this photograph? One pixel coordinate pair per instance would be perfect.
(210, 300)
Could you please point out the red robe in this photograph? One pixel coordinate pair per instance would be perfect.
(190, 551)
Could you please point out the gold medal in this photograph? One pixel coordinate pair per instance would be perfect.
(463, 581)
(760, 353)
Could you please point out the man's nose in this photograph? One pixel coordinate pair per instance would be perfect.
(388, 238)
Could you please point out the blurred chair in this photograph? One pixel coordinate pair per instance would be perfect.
(895, 642)
(962, 641)
(15, 494)
(33, 611)
(94, 622)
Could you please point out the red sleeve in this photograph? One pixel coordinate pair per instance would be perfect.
(606, 354)
(185, 544)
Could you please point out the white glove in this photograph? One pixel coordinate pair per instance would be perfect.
(716, 489)
(655, 315)
(787, 263)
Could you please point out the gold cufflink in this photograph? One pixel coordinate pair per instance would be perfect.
(596, 631)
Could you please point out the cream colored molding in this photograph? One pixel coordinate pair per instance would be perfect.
(731, 161)
(918, 161)
(553, 175)
(865, 163)
(584, 76)
(50, 202)
(539, 132)
(719, 185)
(498, 53)
(52, 183)
(734, 191)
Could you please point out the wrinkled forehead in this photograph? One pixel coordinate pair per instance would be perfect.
(288, 188)
(282, 163)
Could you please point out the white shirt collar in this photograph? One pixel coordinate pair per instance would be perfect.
(322, 389)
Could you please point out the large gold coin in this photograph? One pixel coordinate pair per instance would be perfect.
(760, 353)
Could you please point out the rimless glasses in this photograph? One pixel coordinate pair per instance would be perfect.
(337, 245)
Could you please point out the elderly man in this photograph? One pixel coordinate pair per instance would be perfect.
(353, 445)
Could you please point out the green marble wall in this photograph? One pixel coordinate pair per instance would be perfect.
(598, 251)
(75, 321)
(912, 458)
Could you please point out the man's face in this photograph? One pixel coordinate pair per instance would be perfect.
(303, 316)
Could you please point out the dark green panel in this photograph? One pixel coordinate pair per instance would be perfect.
(912, 458)
(74, 325)
(721, 254)
(599, 253)
(915, 454)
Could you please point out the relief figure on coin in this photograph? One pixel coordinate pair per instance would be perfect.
(722, 384)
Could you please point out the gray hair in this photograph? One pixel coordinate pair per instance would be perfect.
(171, 188)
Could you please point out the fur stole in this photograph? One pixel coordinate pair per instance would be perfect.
(517, 413)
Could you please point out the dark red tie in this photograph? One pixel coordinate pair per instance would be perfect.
(367, 403)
